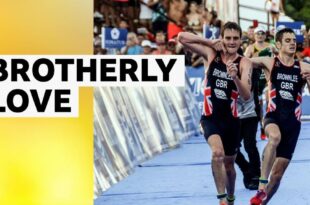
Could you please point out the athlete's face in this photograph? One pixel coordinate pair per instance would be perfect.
(288, 44)
(232, 40)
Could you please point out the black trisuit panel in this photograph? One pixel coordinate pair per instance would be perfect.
(284, 108)
(220, 113)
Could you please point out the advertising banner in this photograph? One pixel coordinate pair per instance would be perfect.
(113, 37)
(132, 125)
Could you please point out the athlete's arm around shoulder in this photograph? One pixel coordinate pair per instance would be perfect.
(265, 63)
(199, 45)
(245, 84)
(305, 71)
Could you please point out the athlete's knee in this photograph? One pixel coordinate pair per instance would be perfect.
(274, 138)
(218, 155)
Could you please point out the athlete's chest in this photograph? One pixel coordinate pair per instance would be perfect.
(286, 76)
(288, 82)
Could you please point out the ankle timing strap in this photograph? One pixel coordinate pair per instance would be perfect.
(231, 198)
(221, 196)
(263, 181)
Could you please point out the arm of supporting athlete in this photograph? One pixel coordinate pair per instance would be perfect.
(197, 44)
(244, 84)
(265, 63)
(260, 62)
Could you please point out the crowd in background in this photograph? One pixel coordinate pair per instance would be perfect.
(153, 26)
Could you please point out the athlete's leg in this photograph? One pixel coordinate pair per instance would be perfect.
(261, 112)
(277, 172)
(251, 149)
(273, 132)
(274, 135)
(261, 102)
(243, 164)
(231, 176)
(217, 164)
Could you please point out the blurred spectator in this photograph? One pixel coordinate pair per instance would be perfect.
(251, 34)
(146, 34)
(147, 47)
(97, 39)
(299, 49)
(160, 36)
(108, 12)
(270, 36)
(211, 4)
(120, 6)
(270, 39)
(212, 26)
(212, 17)
(133, 13)
(176, 13)
(244, 45)
(132, 45)
(306, 51)
(274, 7)
(98, 22)
(100, 51)
(123, 24)
(193, 18)
(171, 46)
(140, 37)
(204, 16)
(272, 31)
(259, 44)
(146, 13)
(159, 20)
(161, 49)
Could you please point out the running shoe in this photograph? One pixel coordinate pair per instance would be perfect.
(258, 198)
(263, 136)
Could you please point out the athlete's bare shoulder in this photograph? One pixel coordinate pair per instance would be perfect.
(246, 59)
(246, 63)
(305, 67)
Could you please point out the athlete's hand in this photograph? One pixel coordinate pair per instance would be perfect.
(273, 49)
(232, 69)
(305, 75)
(218, 45)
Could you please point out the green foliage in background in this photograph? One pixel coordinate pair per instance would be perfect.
(299, 10)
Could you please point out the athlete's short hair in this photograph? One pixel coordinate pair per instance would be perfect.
(231, 25)
(280, 33)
